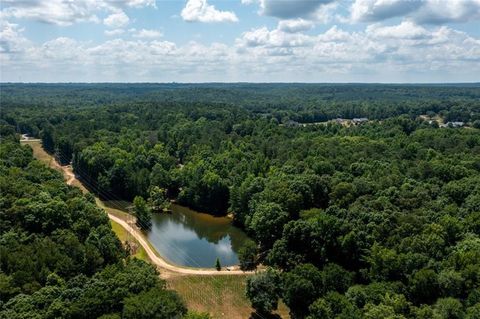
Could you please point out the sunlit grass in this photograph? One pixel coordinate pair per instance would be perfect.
(221, 296)
(39, 153)
(122, 234)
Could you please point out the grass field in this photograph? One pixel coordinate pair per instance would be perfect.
(221, 296)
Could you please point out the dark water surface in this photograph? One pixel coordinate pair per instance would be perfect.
(193, 239)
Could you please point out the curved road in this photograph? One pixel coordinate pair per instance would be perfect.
(158, 261)
(162, 263)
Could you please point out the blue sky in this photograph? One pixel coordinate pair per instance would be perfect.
(240, 40)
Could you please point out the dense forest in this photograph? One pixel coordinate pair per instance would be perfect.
(375, 220)
(59, 256)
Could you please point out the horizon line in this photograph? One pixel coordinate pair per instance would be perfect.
(242, 82)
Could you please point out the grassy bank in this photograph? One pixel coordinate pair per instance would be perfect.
(122, 234)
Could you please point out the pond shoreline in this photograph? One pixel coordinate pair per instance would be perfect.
(193, 239)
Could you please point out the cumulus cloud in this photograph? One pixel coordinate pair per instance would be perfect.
(335, 34)
(327, 13)
(133, 3)
(116, 20)
(315, 11)
(377, 10)
(291, 9)
(405, 30)
(114, 32)
(420, 11)
(276, 38)
(201, 11)
(441, 11)
(381, 52)
(11, 37)
(401, 49)
(58, 12)
(295, 25)
(148, 34)
(61, 49)
(66, 12)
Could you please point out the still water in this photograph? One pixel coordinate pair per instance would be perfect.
(193, 239)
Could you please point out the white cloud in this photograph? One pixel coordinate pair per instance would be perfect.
(61, 49)
(116, 20)
(58, 12)
(114, 32)
(162, 47)
(11, 38)
(420, 11)
(276, 38)
(66, 12)
(405, 30)
(135, 3)
(201, 11)
(248, 2)
(148, 34)
(377, 10)
(400, 49)
(402, 52)
(326, 13)
(442, 11)
(295, 25)
(334, 34)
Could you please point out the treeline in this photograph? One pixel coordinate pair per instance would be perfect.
(379, 220)
(59, 257)
(300, 102)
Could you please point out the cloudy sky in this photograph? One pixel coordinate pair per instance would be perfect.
(240, 40)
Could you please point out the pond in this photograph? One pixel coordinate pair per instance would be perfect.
(193, 239)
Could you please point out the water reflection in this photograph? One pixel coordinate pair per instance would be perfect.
(194, 239)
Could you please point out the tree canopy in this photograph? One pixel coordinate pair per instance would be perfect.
(361, 196)
(59, 257)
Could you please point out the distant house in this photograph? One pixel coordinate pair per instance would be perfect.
(453, 124)
(457, 124)
(359, 120)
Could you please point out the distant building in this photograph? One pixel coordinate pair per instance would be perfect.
(359, 120)
(457, 124)
(453, 124)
